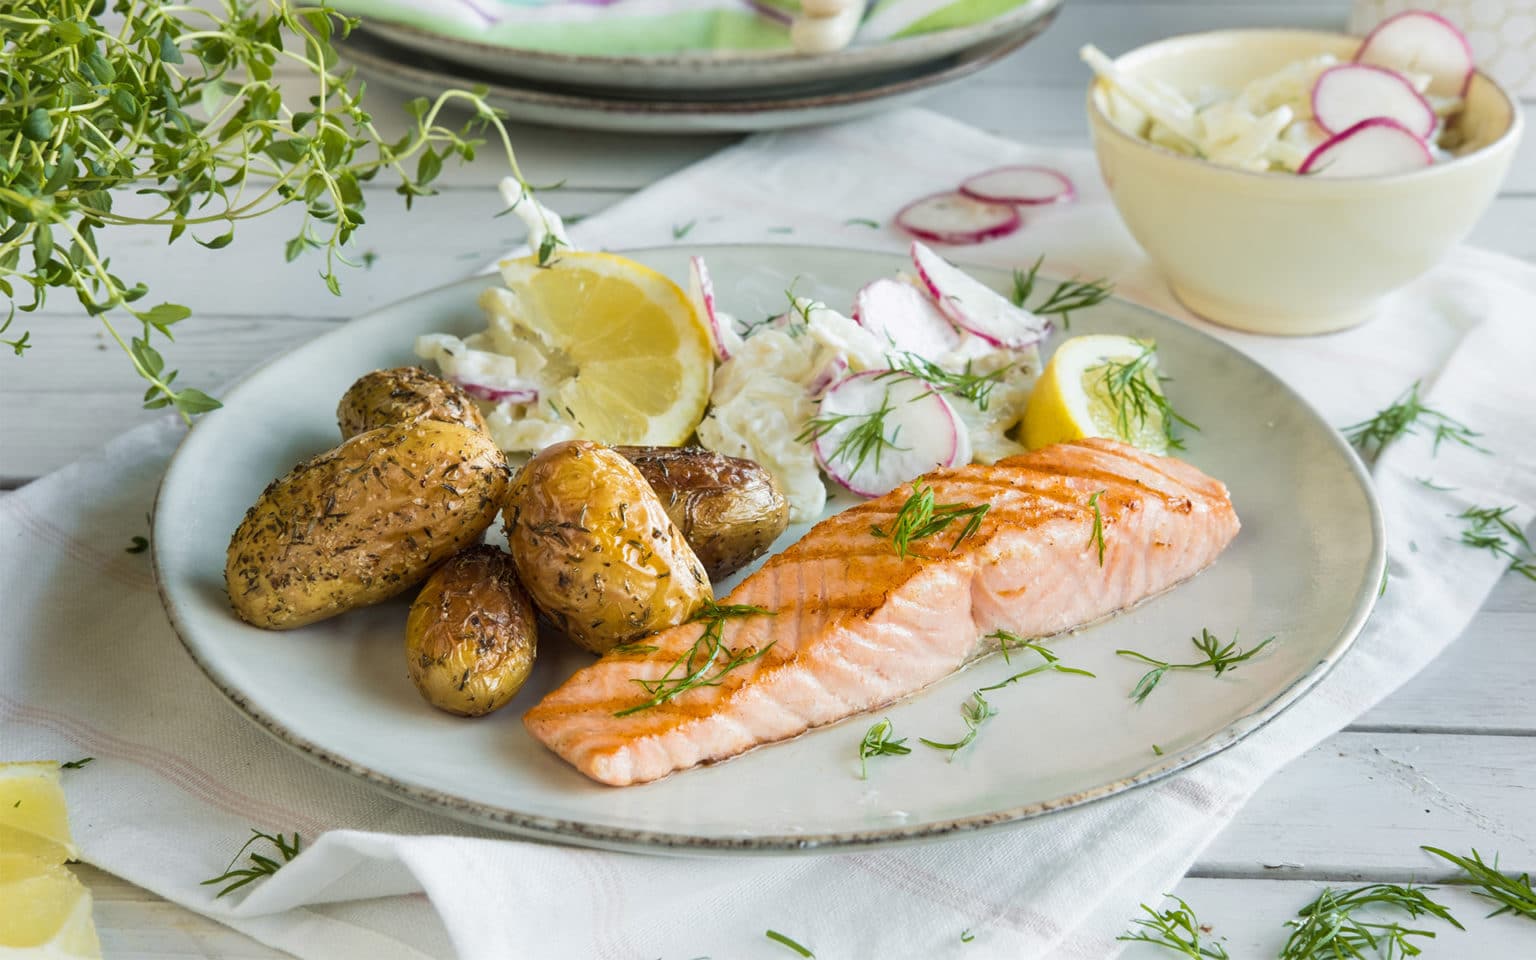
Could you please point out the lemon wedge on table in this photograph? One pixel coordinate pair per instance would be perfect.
(45, 911)
(638, 358)
(1100, 386)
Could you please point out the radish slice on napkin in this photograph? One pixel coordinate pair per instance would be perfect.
(1417, 41)
(1371, 148)
(872, 434)
(702, 294)
(956, 219)
(976, 307)
(1346, 94)
(902, 315)
(1020, 185)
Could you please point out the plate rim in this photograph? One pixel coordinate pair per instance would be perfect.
(666, 842)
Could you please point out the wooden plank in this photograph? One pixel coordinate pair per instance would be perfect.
(134, 924)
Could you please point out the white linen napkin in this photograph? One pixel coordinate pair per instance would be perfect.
(88, 665)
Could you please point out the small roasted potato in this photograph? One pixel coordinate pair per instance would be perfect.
(472, 634)
(596, 549)
(383, 397)
(363, 522)
(729, 509)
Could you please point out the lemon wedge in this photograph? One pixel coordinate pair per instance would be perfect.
(45, 911)
(1100, 386)
(33, 818)
(636, 358)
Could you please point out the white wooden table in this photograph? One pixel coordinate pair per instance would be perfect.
(1449, 760)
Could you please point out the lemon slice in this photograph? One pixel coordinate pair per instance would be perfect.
(1099, 386)
(636, 357)
(33, 818)
(45, 911)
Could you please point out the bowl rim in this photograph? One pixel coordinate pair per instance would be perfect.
(1098, 118)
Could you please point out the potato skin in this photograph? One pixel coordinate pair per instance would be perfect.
(363, 522)
(383, 397)
(596, 549)
(729, 509)
(472, 634)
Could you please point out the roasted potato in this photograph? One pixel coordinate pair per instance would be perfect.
(383, 397)
(363, 522)
(729, 509)
(596, 549)
(472, 634)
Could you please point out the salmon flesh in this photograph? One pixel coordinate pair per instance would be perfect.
(855, 626)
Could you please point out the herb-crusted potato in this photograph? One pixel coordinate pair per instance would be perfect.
(363, 522)
(596, 549)
(472, 634)
(729, 509)
(383, 397)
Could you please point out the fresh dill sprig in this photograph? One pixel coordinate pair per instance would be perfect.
(864, 439)
(681, 230)
(862, 222)
(76, 764)
(1219, 657)
(1513, 894)
(1134, 390)
(1177, 929)
(261, 866)
(778, 937)
(1098, 523)
(1402, 419)
(877, 742)
(975, 712)
(704, 663)
(966, 384)
(140, 544)
(1068, 296)
(1488, 528)
(1328, 927)
(801, 305)
(920, 517)
(1052, 663)
(635, 646)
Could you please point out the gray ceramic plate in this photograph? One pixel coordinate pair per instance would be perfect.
(382, 65)
(681, 73)
(1305, 568)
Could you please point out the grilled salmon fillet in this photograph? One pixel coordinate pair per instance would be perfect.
(856, 626)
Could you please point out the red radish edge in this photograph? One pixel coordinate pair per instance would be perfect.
(1466, 45)
(846, 482)
(969, 220)
(1429, 112)
(527, 394)
(1064, 192)
(1034, 335)
(703, 292)
(1338, 138)
(770, 12)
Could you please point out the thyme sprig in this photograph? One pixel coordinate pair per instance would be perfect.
(965, 384)
(877, 742)
(974, 712)
(705, 662)
(1219, 657)
(1177, 929)
(1068, 296)
(1328, 927)
(1488, 528)
(260, 866)
(920, 517)
(1134, 390)
(1402, 418)
(865, 438)
(1513, 894)
(1051, 663)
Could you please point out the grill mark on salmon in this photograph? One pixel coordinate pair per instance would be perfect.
(857, 627)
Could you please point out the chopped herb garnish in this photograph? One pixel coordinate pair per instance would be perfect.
(975, 712)
(76, 764)
(261, 866)
(681, 230)
(920, 517)
(877, 742)
(370, 257)
(1052, 663)
(1402, 419)
(547, 250)
(967, 936)
(1432, 485)
(865, 438)
(1175, 929)
(1135, 393)
(1513, 894)
(1071, 295)
(1097, 536)
(862, 222)
(1157, 750)
(1218, 657)
(781, 229)
(140, 544)
(1489, 529)
(967, 385)
(704, 663)
(752, 327)
(1328, 928)
(778, 937)
(635, 647)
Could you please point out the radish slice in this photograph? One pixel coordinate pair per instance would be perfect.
(525, 392)
(921, 429)
(702, 293)
(1371, 148)
(1421, 42)
(976, 307)
(954, 218)
(833, 371)
(1351, 92)
(1022, 184)
(904, 317)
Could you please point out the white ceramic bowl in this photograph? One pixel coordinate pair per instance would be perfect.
(1277, 252)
